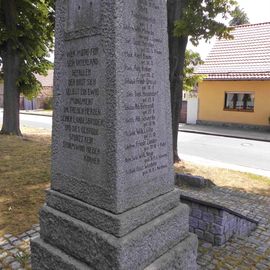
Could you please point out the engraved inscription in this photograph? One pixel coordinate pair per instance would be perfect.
(82, 116)
(146, 150)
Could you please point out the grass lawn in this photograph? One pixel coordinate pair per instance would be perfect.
(227, 178)
(25, 174)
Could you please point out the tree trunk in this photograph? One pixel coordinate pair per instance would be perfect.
(11, 123)
(177, 48)
(11, 68)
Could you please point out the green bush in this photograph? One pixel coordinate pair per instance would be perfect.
(48, 103)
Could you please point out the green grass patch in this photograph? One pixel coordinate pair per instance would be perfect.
(24, 175)
(228, 178)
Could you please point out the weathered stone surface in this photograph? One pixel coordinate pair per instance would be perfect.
(245, 251)
(117, 225)
(182, 256)
(112, 128)
(192, 180)
(112, 203)
(214, 224)
(104, 251)
(47, 257)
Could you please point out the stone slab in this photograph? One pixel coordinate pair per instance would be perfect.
(112, 141)
(118, 225)
(104, 251)
(47, 257)
(180, 257)
(192, 180)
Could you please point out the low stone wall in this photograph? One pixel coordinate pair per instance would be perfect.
(215, 224)
(192, 180)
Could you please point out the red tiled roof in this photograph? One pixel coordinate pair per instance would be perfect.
(247, 56)
(45, 80)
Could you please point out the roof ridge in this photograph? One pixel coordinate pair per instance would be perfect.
(249, 24)
(247, 55)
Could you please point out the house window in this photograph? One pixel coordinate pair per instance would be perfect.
(239, 101)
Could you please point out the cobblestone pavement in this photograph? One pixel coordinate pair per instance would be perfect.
(15, 251)
(242, 253)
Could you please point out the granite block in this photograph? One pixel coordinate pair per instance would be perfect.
(112, 138)
(47, 257)
(104, 251)
(193, 222)
(216, 229)
(200, 233)
(117, 225)
(196, 212)
(180, 257)
(208, 217)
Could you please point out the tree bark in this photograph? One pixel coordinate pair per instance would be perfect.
(11, 123)
(11, 68)
(177, 48)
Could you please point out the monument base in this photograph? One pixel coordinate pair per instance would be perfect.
(180, 257)
(75, 235)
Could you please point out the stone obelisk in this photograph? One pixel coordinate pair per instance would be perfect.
(112, 203)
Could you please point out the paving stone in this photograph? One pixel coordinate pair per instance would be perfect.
(26, 238)
(17, 242)
(8, 260)
(35, 235)
(22, 235)
(3, 241)
(30, 232)
(15, 265)
(3, 254)
(13, 239)
(7, 247)
(13, 251)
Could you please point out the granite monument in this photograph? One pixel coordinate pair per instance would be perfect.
(112, 202)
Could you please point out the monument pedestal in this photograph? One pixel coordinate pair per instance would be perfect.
(151, 236)
(112, 203)
(180, 257)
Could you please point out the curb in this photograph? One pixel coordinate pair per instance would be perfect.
(224, 135)
(37, 114)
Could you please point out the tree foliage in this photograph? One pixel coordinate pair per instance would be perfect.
(200, 20)
(26, 37)
(239, 17)
(192, 59)
(197, 19)
(32, 38)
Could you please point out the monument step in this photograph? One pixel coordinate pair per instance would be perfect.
(129, 193)
(118, 225)
(104, 251)
(47, 257)
(182, 256)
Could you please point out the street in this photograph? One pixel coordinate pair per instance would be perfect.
(238, 154)
(32, 121)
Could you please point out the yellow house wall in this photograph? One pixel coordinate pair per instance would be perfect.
(212, 97)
